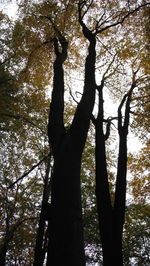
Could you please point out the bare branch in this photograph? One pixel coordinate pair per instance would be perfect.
(28, 172)
(97, 24)
(87, 33)
(77, 92)
(109, 122)
(70, 92)
(109, 66)
(120, 113)
(57, 31)
(100, 87)
(106, 48)
(61, 38)
(127, 107)
(88, 7)
(107, 134)
(21, 118)
(121, 20)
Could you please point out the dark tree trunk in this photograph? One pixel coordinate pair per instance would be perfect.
(104, 207)
(66, 234)
(6, 240)
(3, 251)
(39, 253)
(111, 219)
(66, 245)
(120, 199)
(120, 191)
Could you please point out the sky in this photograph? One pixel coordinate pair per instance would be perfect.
(9, 7)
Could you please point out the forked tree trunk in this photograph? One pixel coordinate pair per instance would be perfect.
(111, 218)
(120, 191)
(66, 245)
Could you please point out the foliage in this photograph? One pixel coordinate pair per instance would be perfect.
(19, 205)
(136, 235)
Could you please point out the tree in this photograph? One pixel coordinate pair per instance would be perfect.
(112, 217)
(19, 215)
(20, 127)
(66, 235)
(136, 235)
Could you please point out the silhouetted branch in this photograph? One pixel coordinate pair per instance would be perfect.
(127, 108)
(109, 66)
(120, 113)
(109, 122)
(61, 39)
(28, 172)
(121, 20)
(87, 33)
(58, 32)
(70, 92)
(21, 118)
(82, 4)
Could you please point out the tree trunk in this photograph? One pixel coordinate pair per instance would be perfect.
(66, 245)
(66, 233)
(111, 219)
(120, 191)
(39, 253)
(3, 251)
(120, 200)
(104, 207)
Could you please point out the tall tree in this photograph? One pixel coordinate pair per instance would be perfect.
(112, 216)
(66, 246)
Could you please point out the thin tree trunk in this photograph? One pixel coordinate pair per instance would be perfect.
(104, 207)
(120, 192)
(39, 253)
(111, 219)
(120, 200)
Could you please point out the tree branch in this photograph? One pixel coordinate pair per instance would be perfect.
(87, 33)
(127, 108)
(122, 20)
(109, 66)
(71, 94)
(120, 113)
(109, 122)
(21, 118)
(28, 172)
(82, 4)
